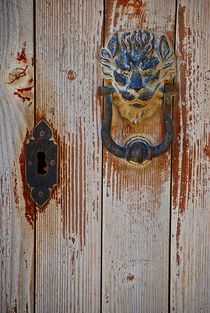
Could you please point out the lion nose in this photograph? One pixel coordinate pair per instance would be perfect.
(136, 81)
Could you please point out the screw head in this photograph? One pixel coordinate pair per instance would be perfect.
(207, 75)
(52, 162)
(29, 163)
(42, 133)
(40, 194)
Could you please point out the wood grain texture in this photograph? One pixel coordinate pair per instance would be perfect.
(16, 118)
(136, 200)
(190, 251)
(68, 36)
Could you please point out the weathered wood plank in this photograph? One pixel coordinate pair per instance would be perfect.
(16, 117)
(69, 230)
(190, 251)
(136, 201)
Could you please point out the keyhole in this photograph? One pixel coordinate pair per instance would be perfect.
(41, 164)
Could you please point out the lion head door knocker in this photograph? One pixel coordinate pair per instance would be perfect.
(137, 65)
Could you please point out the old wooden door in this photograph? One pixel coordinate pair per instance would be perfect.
(113, 238)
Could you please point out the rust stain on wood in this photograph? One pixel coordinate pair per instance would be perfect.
(125, 9)
(121, 11)
(21, 56)
(15, 187)
(133, 7)
(190, 218)
(178, 232)
(29, 204)
(130, 277)
(207, 147)
(136, 199)
(207, 150)
(20, 78)
(71, 75)
(30, 207)
(16, 74)
(70, 193)
(17, 235)
(24, 93)
(181, 145)
(181, 121)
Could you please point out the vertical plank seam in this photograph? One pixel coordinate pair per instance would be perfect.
(102, 179)
(34, 61)
(171, 177)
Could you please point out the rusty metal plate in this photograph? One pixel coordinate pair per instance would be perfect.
(41, 163)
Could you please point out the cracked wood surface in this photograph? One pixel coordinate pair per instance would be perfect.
(68, 232)
(136, 200)
(16, 118)
(190, 250)
(127, 207)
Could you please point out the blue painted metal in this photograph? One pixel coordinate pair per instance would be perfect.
(138, 64)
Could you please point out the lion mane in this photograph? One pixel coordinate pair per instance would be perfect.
(138, 64)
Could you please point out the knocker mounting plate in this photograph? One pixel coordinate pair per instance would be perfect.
(137, 67)
(41, 163)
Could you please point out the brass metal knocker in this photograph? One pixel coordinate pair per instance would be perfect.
(137, 67)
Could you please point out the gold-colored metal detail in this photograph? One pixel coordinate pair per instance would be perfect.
(138, 64)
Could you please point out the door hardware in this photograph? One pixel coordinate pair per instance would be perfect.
(41, 163)
(138, 67)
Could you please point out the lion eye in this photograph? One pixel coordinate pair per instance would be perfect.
(149, 72)
(124, 72)
(151, 78)
(120, 78)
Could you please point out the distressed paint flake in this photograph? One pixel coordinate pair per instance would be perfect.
(20, 78)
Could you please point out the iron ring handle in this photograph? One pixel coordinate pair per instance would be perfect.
(137, 151)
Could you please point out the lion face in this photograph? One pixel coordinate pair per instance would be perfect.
(138, 64)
